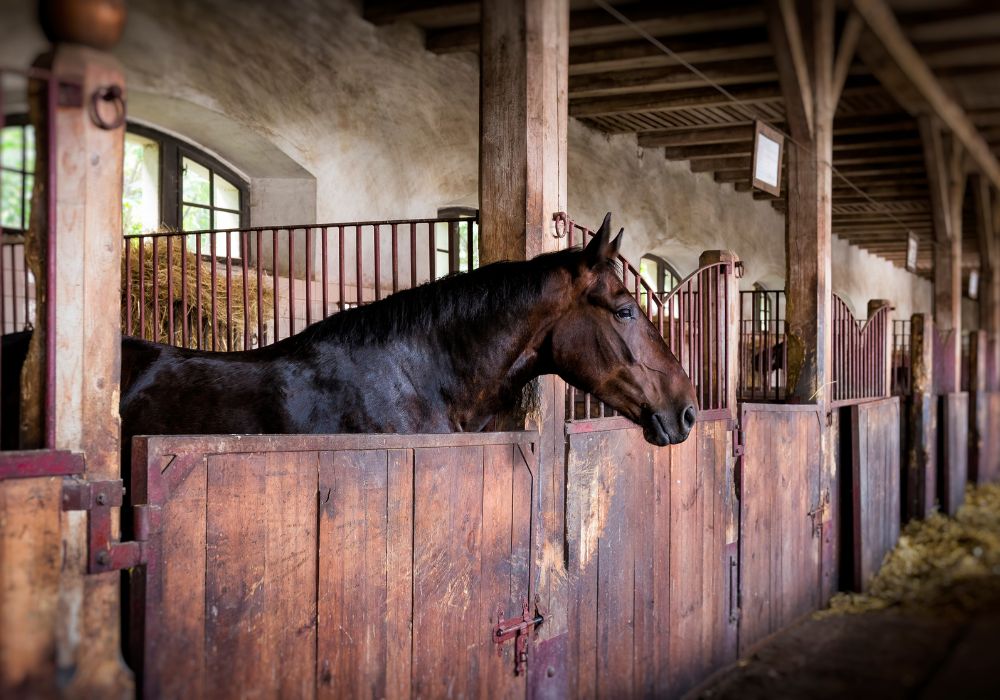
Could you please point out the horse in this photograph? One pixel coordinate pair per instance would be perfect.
(446, 356)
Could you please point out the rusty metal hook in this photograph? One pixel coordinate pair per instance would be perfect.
(112, 94)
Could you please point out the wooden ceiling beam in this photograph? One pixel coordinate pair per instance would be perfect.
(696, 48)
(427, 14)
(897, 64)
(670, 100)
(759, 70)
(673, 138)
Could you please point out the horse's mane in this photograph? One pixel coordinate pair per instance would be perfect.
(471, 298)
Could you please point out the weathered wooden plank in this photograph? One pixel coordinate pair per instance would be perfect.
(954, 450)
(399, 563)
(660, 540)
(290, 573)
(176, 650)
(235, 596)
(448, 643)
(30, 565)
(352, 608)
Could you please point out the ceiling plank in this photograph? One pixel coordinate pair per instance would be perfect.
(898, 62)
(760, 70)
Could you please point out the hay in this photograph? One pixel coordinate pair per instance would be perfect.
(156, 325)
(939, 563)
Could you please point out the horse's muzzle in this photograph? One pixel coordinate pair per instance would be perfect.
(664, 429)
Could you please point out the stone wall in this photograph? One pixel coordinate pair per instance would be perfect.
(331, 119)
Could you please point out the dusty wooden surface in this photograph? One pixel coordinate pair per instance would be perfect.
(954, 453)
(30, 562)
(338, 572)
(875, 485)
(651, 535)
(780, 543)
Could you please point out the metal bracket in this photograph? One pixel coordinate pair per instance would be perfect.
(817, 514)
(520, 631)
(98, 498)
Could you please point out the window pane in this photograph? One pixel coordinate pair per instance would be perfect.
(649, 270)
(141, 186)
(13, 145)
(441, 264)
(194, 179)
(225, 219)
(29, 149)
(226, 194)
(196, 219)
(11, 199)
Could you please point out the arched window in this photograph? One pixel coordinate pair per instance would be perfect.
(167, 183)
(659, 274)
(763, 311)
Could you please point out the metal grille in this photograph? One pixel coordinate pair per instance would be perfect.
(902, 372)
(693, 319)
(762, 349)
(859, 353)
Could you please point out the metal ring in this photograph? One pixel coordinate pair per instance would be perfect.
(112, 94)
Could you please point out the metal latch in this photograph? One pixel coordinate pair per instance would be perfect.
(98, 498)
(520, 631)
(817, 514)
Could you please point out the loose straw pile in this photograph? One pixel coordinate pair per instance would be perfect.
(939, 563)
(173, 253)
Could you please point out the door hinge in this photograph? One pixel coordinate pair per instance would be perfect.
(518, 629)
(104, 552)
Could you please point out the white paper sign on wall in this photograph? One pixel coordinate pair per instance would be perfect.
(911, 253)
(768, 151)
(973, 290)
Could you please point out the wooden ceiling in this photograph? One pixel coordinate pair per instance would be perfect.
(621, 83)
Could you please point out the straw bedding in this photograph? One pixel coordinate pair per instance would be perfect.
(939, 563)
(156, 327)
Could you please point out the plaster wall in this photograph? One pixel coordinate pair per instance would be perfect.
(333, 119)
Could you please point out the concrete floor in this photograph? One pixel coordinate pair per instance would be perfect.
(943, 653)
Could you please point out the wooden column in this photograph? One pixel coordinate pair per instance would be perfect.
(946, 177)
(979, 402)
(989, 269)
(88, 348)
(524, 60)
(921, 472)
(803, 38)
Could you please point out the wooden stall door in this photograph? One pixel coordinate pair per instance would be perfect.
(334, 566)
(989, 470)
(651, 538)
(781, 514)
(875, 481)
(953, 451)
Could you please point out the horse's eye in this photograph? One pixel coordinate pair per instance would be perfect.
(624, 313)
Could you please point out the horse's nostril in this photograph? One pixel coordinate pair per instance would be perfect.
(688, 417)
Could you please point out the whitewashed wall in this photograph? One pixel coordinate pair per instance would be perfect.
(333, 119)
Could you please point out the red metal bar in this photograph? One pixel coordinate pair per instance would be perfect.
(142, 284)
(277, 287)
(291, 282)
(378, 262)
(170, 291)
(155, 272)
(395, 259)
(413, 255)
(432, 250)
(245, 265)
(342, 301)
(184, 294)
(214, 278)
(37, 463)
(309, 275)
(359, 272)
(197, 287)
(128, 288)
(325, 276)
(51, 107)
(229, 291)
(260, 290)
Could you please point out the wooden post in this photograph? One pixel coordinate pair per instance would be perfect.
(524, 59)
(921, 473)
(873, 306)
(946, 176)
(978, 406)
(803, 38)
(989, 262)
(88, 348)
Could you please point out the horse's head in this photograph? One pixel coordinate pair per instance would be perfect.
(604, 344)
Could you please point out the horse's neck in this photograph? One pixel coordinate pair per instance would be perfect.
(494, 362)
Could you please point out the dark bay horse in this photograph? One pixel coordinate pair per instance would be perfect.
(447, 356)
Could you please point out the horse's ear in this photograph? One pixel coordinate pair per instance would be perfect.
(600, 247)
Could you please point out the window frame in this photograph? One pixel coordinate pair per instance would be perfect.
(663, 270)
(172, 152)
(21, 121)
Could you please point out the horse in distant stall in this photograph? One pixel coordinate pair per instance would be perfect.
(447, 356)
